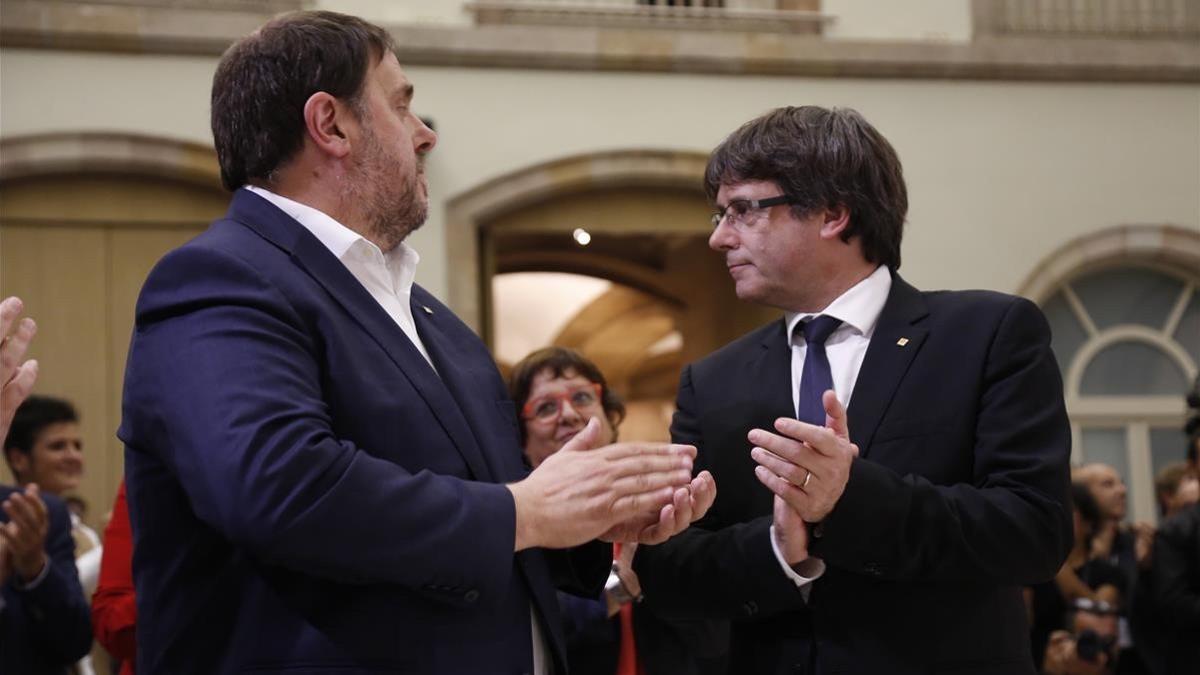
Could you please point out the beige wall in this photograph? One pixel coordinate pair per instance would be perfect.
(1000, 174)
(76, 250)
(942, 20)
(409, 11)
(937, 20)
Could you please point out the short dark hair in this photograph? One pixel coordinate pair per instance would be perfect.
(264, 80)
(559, 360)
(34, 415)
(822, 158)
(1167, 482)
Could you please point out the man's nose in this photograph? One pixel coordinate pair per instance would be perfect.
(722, 238)
(426, 138)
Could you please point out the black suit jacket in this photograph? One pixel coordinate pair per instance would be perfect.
(45, 629)
(1176, 587)
(957, 500)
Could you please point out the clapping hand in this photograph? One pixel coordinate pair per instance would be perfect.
(16, 376)
(24, 535)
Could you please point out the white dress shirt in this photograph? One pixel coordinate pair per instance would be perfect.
(859, 309)
(389, 278)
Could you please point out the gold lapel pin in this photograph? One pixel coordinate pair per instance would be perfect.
(427, 310)
(902, 341)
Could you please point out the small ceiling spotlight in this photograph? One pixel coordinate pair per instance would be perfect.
(581, 236)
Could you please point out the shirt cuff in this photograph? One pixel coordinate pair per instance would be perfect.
(41, 576)
(805, 572)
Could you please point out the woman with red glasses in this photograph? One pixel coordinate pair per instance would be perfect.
(557, 391)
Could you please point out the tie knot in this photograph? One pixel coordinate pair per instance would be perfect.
(818, 329)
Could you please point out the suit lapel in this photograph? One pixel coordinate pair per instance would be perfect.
(464, 372)
(470, 374)
(897, 339)
(770, 374)
(311, 255)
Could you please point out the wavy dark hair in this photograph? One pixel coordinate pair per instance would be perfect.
(264, 80)
(822, 158)
(560, 360)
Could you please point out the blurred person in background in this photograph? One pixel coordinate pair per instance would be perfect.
(556, 391)
(1175, 579)
(1090, 646)
(1083, 576)
(1162, 631)
(78, 506)
(1128, 546)
(44, 625)
(44, 447)
(1176, 487)
(114, 605)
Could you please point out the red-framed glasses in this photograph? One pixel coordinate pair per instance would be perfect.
(549, 406)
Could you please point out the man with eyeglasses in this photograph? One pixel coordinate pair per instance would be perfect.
(893, 463)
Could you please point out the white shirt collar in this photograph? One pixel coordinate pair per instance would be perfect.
(858, 308)
(344, 243)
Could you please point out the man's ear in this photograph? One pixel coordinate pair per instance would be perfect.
(325, 123)
(835, 221)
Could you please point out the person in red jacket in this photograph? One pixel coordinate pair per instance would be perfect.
(114, 612)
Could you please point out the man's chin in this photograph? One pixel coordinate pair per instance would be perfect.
(64, 487)
(747, 291)
(417, 217)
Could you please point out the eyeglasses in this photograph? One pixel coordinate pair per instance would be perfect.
(738, 210)
(1095, 606)
(548, 407)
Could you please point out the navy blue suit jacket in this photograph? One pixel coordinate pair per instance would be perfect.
(959, 497)
(46, 629)
(307, 494)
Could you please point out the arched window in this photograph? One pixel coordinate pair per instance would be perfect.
(1127, 338)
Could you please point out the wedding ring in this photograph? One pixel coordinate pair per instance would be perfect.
(807, 477)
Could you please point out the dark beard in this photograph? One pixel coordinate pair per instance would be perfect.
(390, 212)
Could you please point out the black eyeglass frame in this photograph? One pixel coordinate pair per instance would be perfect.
(719, 216)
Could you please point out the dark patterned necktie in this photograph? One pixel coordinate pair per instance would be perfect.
(816, 377)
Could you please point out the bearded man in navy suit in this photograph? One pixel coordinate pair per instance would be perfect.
(323, 467)
(895, 539)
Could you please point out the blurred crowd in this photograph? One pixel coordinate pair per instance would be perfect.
(1127, 599)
